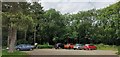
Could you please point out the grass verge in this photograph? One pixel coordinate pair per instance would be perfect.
(15, 54)
(107, 47)
(119, 50)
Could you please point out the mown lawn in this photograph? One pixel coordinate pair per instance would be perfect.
(15, 54)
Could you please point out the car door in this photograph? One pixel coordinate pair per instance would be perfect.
(23, 47)
(92, 47)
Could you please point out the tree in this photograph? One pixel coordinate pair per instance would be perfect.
(36, 11)
(14, 19)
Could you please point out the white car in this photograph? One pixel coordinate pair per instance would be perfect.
(78, 47)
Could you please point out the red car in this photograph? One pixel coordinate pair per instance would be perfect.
(89, 47)
(69, 46)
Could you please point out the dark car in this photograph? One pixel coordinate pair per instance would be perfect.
(59, 45)
(24, 47)
(78, 46)
(89, 47)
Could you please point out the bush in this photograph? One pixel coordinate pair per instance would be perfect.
(106, 47)
(44, 46)
(119, 50)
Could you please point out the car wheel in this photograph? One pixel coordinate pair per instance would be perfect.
(31, 49)
(79, 48)
(74, 48)
(18, 49)
(55, 48)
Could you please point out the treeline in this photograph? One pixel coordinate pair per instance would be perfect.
(28, 23)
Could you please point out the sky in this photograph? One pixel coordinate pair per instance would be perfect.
(74, 6)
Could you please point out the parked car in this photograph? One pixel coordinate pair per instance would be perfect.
(78, 46)
(69, 46)
(59, 45)
(24, 47)
(89, 47)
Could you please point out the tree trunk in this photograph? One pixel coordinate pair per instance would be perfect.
(9, 36)
(35, 36)
(12, 39)
(8, 40)
(25, 35)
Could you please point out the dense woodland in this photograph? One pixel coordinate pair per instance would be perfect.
(28, 23)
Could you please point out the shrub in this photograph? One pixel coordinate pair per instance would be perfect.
(106, 47)
(44, 46)
(119, 50)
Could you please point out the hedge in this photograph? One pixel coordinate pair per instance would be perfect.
(44, 46)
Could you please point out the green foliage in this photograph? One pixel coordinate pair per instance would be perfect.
(55, 39)
(119, 50)
(18, 20)
(106, 47)
(44, 46)
(22, 42)
(15, 54)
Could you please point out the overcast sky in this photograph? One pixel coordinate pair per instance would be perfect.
(73, 6)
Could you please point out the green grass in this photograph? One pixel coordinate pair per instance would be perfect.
(0, 53)
(15, 54)
(119, 50)
(107, 47)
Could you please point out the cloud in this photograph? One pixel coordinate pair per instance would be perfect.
(74, 6)
(79, 0)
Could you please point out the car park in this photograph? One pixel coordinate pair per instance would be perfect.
(89, 47)
(78, 47)
(24, 47)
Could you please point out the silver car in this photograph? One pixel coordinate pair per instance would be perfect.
(78, 47)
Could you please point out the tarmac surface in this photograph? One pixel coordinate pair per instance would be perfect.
(70, 52)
